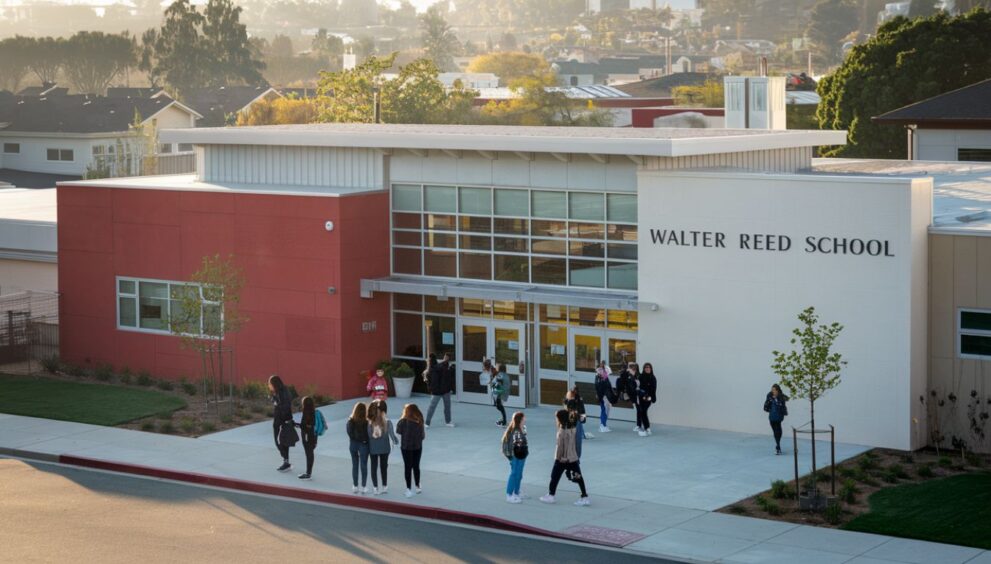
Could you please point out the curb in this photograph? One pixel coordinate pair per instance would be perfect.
(345, 500)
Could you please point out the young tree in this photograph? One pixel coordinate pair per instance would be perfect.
(811, 368)
(832, 20)
(891, 70)
(15, 61)
(513, 65)
(280, 111)
(417, 96)
(94, 59)
(206, 311)
(348, 96)
(438, 40)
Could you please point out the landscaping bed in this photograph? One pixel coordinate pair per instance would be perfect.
(881, 491)
(122, 398)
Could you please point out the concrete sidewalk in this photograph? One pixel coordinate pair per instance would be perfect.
(634, 482)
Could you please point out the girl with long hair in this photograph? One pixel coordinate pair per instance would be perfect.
(308, 430)
(566, 459)
(499, 388)
(604, 393)
(646, 397)
(411, 428)
(357, 428)
(515, 449)
(281, 417)
(381, 437)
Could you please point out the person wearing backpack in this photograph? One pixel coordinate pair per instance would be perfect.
(381, 437)
(646, 397)
(630, 390)
(441, 382)
(357, 429)
(311, 425)
(283, 427)
(515, 449)
(576, 406)
(605, 394)
(776, 406)
(411, 428)
(378, 386)
(499, 389)
(566, 459)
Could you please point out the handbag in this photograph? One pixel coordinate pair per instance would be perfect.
(288, 435)
(521, 451)
(573, 475)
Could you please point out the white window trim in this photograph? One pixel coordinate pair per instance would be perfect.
(6, 152)
(60, 159)
(973, 332)
(137, 298)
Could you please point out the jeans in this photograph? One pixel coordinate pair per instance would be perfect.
(604, 412)
(411, 465)
(283, 449)
(643, 420)
(502, 410)
(380, 461)
(579, 437)
(515, 475)
(359, 456)
(433, 406)
(558, 470)
(776, 427)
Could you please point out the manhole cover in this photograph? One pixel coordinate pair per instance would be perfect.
(614, 537)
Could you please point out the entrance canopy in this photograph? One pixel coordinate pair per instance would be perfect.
(508, 292)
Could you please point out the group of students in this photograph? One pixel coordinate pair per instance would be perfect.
(633, 385)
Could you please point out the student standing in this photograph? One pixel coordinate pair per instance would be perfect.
(631, 390)
(499, 388)
(646, 397)
(281, 417)
(357, 428)
(605, 394)
(566, 459)
(515, 449)
(574, 404)
(411, 428)
(441, 384)
(381, 437)
(776, 406)
(311, 425)
(378, 386)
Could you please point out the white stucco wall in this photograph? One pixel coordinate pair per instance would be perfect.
(723, 310)
(20, 275)
(34, 153)
(942, 144)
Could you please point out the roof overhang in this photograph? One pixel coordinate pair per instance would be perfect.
(563, 140)
(502, 291)
(921, 123)
(177, 104)
(64, 134)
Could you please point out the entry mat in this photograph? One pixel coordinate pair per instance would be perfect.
(604, 535)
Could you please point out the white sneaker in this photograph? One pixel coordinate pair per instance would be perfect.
(451, 424)
(637, 429)
(642, 433)
(604, 429)
(515, 499)
(354, 489)
(426, 425)
(589, 436)
(522, 496)
(648, 432)
(583, 502)
(375, 490)
(510, 498)
(409, 493)
(364, 490)
(419, 490)
(547, 498)
(384, 490)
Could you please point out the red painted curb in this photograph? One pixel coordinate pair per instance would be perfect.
(435, 513)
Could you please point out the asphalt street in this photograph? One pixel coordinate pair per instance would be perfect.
(52, 513)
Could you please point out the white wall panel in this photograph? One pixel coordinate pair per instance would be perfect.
(293, 166)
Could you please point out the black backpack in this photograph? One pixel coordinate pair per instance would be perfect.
(622, 383)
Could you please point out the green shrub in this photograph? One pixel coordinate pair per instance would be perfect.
(51, 364)
(781, 490)
(125, 378)
(165, 415)
(824, 475)
(924, 471)
(148, 426)
(738, 509)
(908, 459)
(833, 514)
(187, 425)
(189, 388)
(252, 390)
(144, 378)
(848, 472)
(849, 491)
(769, 506)
(945, 461)
(897, 471)
(975, 460)
(208, 427)
(867, 462)
(165, 385)
(167, 427)
(76, 370)
(226, 419)
(103, 372)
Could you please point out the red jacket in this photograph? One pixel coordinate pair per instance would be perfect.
(378, 387)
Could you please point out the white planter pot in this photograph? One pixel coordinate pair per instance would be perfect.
(403, 387)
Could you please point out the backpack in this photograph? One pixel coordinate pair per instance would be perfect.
(622, 384)
(319, 424)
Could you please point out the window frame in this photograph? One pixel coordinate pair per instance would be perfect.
(61, 152)
(970, 332)
(8, 145)
(136, 296)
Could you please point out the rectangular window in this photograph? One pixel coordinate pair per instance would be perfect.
(974, 333)
(12, 148)
(408, 334)
(589, 273)
(98, 150)
(185, 147)
(980, 155)
(406, 261)
(157, 306)
(548, 271)
(440, 263)
(165, 148)
(440, 199)
(512, 203)
(476, 266)
(406, 198)
(549, 204)
(512, 268)
(512, 226)
(586, 206)
(476, 201)
(553, 348)
(439, 331)
(476, 224)
(621, 208)
(65, 155)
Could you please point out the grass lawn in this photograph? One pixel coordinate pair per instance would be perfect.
(85, 403)
(955, 510)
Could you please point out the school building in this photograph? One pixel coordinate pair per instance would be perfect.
(548, 249)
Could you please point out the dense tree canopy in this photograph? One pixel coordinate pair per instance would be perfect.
(94, 59)
(906, 62)
(513, 65)
(832, 20)
(439, 41)
(15, 61)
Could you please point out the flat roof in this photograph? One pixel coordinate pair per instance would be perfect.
(961, 190)
(30, 205)
(656, 142)
(189, 182)
(28, 224)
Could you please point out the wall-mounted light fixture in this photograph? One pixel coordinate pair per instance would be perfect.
(329, 226)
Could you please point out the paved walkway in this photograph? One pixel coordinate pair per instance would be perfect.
(652, 494)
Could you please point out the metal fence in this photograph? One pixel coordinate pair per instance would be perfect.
(28, 331)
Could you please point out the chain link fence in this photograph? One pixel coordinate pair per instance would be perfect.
(29, 333)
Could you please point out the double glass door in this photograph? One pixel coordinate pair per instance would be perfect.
(501, 341)
(589, 348)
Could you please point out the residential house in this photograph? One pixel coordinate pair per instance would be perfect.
(955, 126)
(221, 106)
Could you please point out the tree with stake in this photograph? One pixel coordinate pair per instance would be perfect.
(811, 368)
(206, 311)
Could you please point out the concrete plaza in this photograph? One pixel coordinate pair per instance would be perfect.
(654, 494)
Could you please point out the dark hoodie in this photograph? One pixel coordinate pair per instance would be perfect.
(776, 407)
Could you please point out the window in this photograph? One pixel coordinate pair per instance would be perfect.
(12, 148)
(982, 155)
(185, 147)
(98, 150)
(65, 155)
(165, 148)
(155, 306)
(974, 335)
